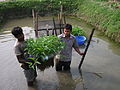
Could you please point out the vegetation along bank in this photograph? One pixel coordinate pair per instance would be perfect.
(103, 14)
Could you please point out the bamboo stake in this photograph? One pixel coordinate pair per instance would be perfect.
(52, 31)
(64, 20)
(80, 65)
(36, 24)
(58, 17)
(47, 31)
(60, 26)
(33, 14)
(60, 20)
(61, 10)
(54, 26)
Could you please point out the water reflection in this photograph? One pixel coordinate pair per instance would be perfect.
(82, 80)
(66, 81)
(102, 57)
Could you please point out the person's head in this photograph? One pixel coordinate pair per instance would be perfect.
(18, 33)
(67, 29)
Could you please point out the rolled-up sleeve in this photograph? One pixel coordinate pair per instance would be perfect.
(17, 50)
(75, 44)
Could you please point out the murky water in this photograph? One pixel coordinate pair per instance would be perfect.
(100, 70)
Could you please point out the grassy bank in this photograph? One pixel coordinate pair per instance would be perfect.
(103, 15)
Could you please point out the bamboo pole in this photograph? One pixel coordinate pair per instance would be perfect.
(60, 20)
(36, 24)
(33, 14)
(60, 26)
(47, 31)
(52, 31)
(64, 20)
(61, 10)
(81, 62)
(54, 27)
(58, 17)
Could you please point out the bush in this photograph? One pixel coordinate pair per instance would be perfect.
(77, 31)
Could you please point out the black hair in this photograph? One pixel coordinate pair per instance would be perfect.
(17, 31)
(68, 26)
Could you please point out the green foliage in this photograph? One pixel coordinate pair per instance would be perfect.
(102, 0)
(100, 15)
(114, 5)
(103, 15)
(41, 47)
(18, 8)
(77, 31)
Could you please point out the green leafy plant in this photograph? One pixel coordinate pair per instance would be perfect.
(77, 31)
(41, 49)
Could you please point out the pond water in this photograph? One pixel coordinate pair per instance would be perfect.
(100, 70)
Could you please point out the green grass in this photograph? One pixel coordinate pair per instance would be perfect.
(101, 16)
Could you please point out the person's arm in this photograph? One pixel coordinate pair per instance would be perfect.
(78, 51)
(21, 59)
(22, 62)
(76, 47)
(19, 53)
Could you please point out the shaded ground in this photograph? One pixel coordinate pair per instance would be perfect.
(100, 69)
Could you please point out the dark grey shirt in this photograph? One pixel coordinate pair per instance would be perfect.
(66, 53)
(19, 48)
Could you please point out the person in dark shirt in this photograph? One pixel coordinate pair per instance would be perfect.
(30, 73)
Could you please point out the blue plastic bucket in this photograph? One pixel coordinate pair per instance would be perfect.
(80, 39)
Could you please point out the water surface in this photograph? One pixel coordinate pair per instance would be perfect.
(100, 70)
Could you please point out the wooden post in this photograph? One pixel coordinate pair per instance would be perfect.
(52, 31)
(60, 20)
(47, 31)
(60, 26)
(35, 22)
(33, 14)
(83, 83)
(86, 48)
(58, 17)
(61, 10)
(54, 26)
(64, 20)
